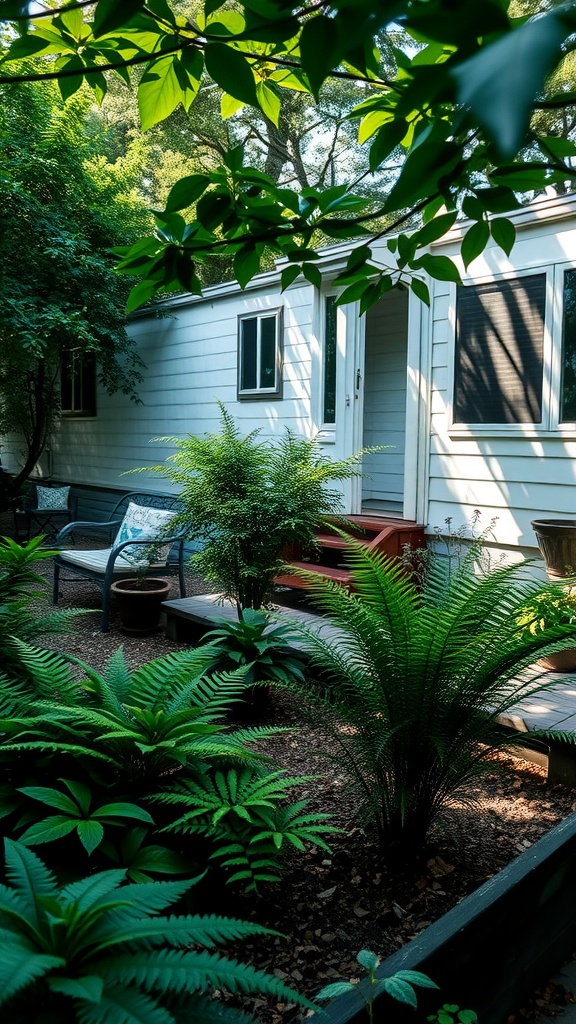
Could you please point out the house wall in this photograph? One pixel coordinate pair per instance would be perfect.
(191, 359)
(516, 473)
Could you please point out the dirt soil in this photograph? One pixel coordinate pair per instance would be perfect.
(329, 906)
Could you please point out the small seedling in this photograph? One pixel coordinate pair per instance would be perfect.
(451, 1014)
(400, 985)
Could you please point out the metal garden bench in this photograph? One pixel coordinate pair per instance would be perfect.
(106, 565)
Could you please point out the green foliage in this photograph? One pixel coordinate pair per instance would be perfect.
(457, 103)
(257, 644)
(63, 208)
(555, 606)
(77, 815)
(450, 1013)
(127, 744)
(401, 986)
(100, 950)
(418, 679)
(244, 813)
(249, 500)
(20, 584)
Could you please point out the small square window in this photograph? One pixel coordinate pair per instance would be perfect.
(260, 355)
(78, 384)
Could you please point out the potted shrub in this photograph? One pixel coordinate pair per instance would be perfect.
(249, 500)
(140, 598)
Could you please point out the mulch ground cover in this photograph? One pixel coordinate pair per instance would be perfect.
(330, 905)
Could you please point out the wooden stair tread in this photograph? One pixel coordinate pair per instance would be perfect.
(287, 579)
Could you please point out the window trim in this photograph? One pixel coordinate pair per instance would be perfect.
(458, 429)
(261, 394)
(80, 413)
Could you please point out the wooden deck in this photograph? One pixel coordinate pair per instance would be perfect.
(553, 708)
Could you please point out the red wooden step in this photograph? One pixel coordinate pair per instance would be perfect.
(379, 533)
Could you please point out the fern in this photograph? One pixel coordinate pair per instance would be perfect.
(244, 816)
(419, 680)
(98, 950)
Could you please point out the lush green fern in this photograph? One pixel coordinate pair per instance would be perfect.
(101, 951)
(246, 817)
(417, 680)
(19, 585)
(114, 738)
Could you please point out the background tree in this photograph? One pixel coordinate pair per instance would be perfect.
(63, 207)
(461, 96)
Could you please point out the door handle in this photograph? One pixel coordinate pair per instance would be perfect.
(358, 379)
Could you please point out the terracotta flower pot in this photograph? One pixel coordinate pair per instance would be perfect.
(562, 661)
(139, 602)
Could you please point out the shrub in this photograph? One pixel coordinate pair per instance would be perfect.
(99, 951)
(418, 679)
(248, 501)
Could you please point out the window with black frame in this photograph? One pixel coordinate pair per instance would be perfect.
(498, 367)
(78, 384)
(260, 355)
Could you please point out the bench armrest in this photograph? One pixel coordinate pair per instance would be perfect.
(70, 528)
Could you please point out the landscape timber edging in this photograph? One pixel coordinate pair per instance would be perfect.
(493, 949)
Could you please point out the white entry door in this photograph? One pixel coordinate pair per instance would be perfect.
(384, 423)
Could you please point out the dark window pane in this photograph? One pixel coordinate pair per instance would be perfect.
(329, 410)
(268, 352)
(499, 351)
(568, 390)
(78, 384)
(248, 379)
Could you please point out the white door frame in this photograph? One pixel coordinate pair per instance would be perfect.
(415, 460)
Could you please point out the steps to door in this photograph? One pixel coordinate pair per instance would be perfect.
(377, 533)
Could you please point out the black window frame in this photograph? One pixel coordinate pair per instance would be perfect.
(260, 393)
(78, 385)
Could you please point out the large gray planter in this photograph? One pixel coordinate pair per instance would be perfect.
(557, 542)
(490, 952)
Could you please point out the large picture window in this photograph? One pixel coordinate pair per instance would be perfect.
(78, 384)
(260, 355)
(499, 355)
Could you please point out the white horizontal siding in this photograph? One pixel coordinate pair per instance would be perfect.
(191, 360)
(516, 477)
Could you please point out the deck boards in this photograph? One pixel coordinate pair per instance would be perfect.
(551, 708)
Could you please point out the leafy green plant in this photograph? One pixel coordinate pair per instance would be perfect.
(249, 500)
(143, 860)
(401, 986)
(77, 815)
(245, 814)
(20, 584)
(452, 1014)
(99, 951)
(555, 606)
(259, 646)
(418, 680)
(120, 740)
